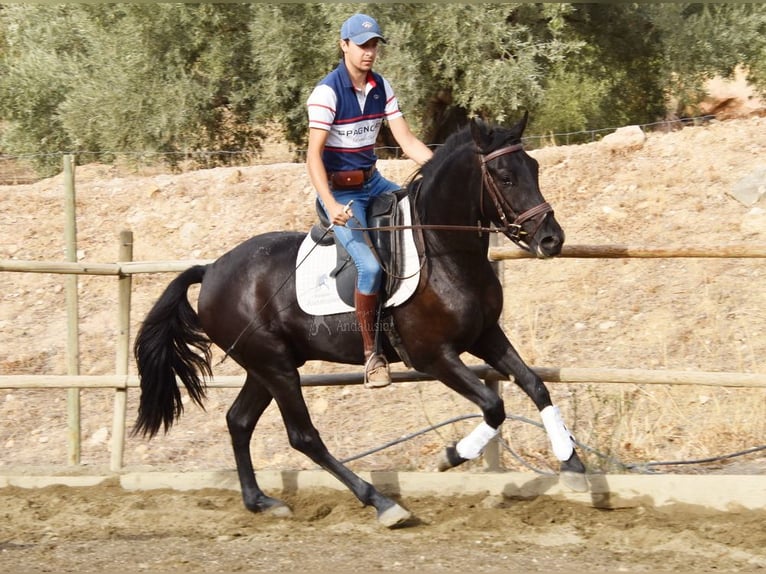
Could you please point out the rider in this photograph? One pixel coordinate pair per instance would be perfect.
(346, 110)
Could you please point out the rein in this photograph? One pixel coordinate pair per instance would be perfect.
(512, 230)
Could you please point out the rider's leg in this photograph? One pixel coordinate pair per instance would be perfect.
(369, 275)
(376, 371)
(366, 297)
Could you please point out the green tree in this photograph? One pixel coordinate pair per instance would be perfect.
(474, 59)
(704, 40)
(291, 46)
(447, 61)
(164, 77)
(615, 78)
(182, 77)
(35, 74)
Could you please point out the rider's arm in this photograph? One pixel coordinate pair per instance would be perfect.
(318, 175)
(413, 148)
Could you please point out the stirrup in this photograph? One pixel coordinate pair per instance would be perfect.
(377, 376)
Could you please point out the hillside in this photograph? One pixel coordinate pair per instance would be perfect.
(695, 314)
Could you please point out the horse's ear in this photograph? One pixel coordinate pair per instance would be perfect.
(481, 133)
(519, 128)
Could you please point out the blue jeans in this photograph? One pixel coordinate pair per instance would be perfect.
(369, 272)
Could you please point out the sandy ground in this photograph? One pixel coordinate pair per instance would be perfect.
(683, 314)
(59, 529)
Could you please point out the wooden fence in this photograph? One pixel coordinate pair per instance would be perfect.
(121, 381)
(125, 268)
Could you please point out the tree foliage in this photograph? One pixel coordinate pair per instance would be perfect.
(704, 40)
(180, 77)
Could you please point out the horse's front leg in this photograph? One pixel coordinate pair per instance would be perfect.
(450, 370)
(495, 348)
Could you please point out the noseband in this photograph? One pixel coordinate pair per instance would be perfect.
(513, 229)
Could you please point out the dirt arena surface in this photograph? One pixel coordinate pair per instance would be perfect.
(674, 190)
(106, 528)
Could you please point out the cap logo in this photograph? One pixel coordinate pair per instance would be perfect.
(366, 24)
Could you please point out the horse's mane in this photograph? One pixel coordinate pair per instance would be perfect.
(460, 140)
(442, 154)
(456, 142)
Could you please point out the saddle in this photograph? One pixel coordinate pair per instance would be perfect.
(388, 245)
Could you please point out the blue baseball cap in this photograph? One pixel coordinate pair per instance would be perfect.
(360, 29)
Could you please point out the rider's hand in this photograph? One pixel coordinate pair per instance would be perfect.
(339, 213)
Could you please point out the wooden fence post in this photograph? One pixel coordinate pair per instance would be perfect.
(123, 353)
(73, 322)
(492, 460)
(492, 451)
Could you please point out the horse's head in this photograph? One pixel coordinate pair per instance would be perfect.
(511, 196)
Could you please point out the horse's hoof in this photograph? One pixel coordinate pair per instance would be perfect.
(576, 481)
(394, 516)
(449, 458)
(271, 506)
(279, 511)
(572, 474)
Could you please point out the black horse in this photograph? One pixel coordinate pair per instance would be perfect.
(247, 306)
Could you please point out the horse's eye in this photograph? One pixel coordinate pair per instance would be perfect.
(507, 181)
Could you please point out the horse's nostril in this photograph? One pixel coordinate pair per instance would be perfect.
(551, 245)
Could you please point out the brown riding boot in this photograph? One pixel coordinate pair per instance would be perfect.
(376, 373)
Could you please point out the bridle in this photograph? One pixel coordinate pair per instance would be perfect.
(513, 230)
(511, 221)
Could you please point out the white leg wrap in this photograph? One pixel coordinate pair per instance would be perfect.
(561, 439)
(472, 446)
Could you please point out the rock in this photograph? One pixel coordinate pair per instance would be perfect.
(613, 212)
(98, 437)
(754, 222)
(150, 190)
(750, 189)
(625, 139)
(319, 405)
(234, 177)
(189, 232)
(493, 501)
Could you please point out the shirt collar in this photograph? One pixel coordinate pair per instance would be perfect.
(347, 83)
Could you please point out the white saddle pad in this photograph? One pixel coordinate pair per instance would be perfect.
(316, 290)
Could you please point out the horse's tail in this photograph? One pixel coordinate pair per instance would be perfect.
(171, 343)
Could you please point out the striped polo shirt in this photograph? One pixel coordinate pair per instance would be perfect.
(352, 118)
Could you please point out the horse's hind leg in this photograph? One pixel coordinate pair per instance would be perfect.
(498, 352)
(304, 437)
(241, 419)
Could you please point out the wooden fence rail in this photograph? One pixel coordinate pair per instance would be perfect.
(122, 382)
(548, 374)
(633, 252)
(122, 268)
(495, 254)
